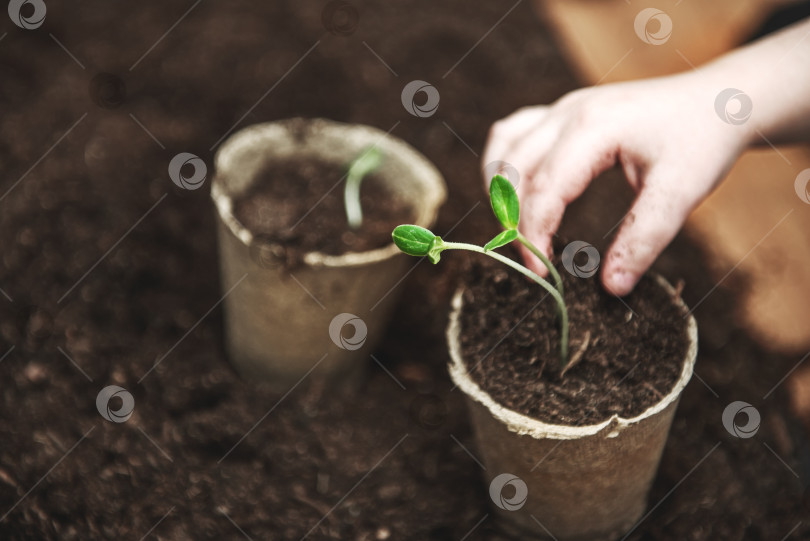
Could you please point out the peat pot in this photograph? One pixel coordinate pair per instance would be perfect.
(585, 483)
(323, 318)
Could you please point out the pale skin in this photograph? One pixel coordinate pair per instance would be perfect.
(666, 136)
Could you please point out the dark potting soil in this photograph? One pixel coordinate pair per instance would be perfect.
(390, 462)
(511, 340)
(297, 207)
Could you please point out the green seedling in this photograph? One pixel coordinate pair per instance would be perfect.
(362, 166)
(418, 241)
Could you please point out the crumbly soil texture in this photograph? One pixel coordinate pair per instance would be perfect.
(296, 206)
(109, 276)
(628, 352)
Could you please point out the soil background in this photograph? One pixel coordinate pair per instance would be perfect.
(107, 268)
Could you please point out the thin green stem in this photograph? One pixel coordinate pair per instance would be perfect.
(364, 165)
(562, 310)
(351, 200)
(533, 249)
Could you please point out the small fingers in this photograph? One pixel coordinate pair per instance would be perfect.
(541, 214)
(564, 174)
(506, 134)
(653, 221)
(531, 261)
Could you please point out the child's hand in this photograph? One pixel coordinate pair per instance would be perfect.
(674, 137)
(664, 133)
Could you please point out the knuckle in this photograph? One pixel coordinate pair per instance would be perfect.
(526, 110)
(575, 96)
(587, 114)
(585, 108)
(497, 129)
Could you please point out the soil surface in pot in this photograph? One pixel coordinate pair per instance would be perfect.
(297, 207)
(511, 341)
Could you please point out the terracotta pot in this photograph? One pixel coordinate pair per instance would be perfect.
(277, 323)
(584, 483)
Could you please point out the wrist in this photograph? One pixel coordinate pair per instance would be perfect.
(728, 95)
(763, 87)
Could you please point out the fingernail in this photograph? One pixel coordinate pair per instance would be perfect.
(621, 282)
